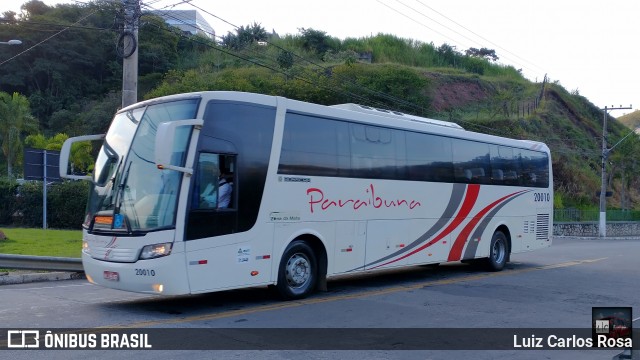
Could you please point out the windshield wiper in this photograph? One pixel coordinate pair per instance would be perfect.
(119, 221)
(121, 187)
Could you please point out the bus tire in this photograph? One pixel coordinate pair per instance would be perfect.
(298, 271)
(498, 252)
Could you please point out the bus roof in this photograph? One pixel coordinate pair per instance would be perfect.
(411, 121)
(397, 114)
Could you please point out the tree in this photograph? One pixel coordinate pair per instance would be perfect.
(80, 65)
(39, 141)
(157, 56)
(244, 36)
(36, 141)
(315, 40)
(34, 7)
(483, 53)
(81, 157)
(285, 59)
(9, 16)
(15, 121)
(257, 32)
(448, 54)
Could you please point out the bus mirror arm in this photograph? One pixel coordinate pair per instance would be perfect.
(165, 136)
(65, 153)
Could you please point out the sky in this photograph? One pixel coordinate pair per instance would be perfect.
(588, 46)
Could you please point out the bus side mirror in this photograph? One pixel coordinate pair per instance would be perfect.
(165, 140)
(65, 153)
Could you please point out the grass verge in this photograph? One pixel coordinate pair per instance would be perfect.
(41, 242)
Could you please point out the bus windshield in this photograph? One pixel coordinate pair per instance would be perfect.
(129, 193)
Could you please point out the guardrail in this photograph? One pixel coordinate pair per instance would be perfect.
(10, 261)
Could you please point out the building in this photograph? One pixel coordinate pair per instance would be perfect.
(189, 21)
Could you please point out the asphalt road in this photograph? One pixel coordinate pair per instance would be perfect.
(548, 289)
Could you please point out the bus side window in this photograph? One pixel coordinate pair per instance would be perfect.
(214, 182)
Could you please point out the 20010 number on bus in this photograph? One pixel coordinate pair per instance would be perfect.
(145, 272)
(540, 197)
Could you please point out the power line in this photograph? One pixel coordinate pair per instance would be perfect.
(31, 22)
(470, 124)
(311, 82)
(383, 95)
(416, 21)
(446, 27)
(435, 21)
(476, 34)
(272, 68)
(49, 38)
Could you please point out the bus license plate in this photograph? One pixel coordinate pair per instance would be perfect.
(111, 276)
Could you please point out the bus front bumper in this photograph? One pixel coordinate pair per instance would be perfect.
(163, 276)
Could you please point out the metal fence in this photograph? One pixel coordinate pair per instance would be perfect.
(579, 215)
(10, 261)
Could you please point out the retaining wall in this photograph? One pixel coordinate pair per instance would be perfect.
(590, 229)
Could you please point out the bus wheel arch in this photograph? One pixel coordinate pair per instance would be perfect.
(303, 268)
(499, 249)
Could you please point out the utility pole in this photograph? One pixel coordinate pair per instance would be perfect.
(602, 227)
(129, 43)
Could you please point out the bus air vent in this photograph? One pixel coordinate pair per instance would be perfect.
(542, 227)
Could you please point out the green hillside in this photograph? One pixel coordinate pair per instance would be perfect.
(631, 120)
(79, 94)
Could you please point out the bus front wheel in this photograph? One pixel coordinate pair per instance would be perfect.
(498, 252)
(298, 272)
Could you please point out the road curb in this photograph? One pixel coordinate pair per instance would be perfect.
(22, 278)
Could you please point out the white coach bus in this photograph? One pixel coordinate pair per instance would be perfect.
(211, 191)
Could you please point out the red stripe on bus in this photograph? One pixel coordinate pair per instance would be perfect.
(112, 242)
(456, 250)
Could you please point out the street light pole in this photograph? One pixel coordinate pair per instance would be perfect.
(602, 226)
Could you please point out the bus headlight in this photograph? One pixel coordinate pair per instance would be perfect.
(155, 251)
(85, 248)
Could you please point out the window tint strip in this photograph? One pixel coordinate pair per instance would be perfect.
(317, 146)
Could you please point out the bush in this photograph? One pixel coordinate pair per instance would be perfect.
(66, 204)
(29, 204)
(8, 191)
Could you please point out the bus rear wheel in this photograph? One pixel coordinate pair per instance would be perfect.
(298, 271)
(498, 252)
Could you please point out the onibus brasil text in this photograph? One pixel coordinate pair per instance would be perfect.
(78, 341)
